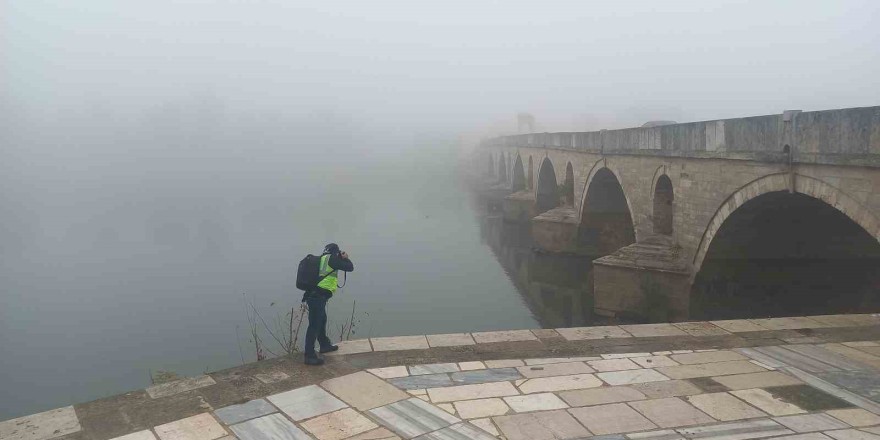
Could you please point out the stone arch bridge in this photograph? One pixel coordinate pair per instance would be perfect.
(660, 206)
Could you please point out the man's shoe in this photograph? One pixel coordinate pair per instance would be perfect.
(329, 349)
(313, 360)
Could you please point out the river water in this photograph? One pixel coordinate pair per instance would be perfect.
(114, 267)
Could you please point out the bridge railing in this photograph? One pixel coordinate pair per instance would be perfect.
(817, 136)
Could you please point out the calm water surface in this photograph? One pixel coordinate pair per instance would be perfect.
(113, 267)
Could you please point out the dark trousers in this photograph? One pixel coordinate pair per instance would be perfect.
(317, 330)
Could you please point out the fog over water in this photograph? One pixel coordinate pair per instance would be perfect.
(159, 159)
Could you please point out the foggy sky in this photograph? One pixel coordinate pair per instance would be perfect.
(406, 68)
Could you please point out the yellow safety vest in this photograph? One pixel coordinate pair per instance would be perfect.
(329, 283)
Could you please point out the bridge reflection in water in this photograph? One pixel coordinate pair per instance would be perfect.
(557, 287)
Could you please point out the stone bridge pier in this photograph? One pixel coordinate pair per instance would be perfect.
(690, 220)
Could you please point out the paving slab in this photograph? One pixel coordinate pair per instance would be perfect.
(708, 385)
(788, 323)
(392, 343)
(469, 392)
(599, 396)
(652, 330)
(271, 377)
(41, 426)
(808, 397)
(837, 320)
(857, 344)
(483, 376)
(810, 422)
(352, 347)
(544, 425)
(270, 427)
(756, 380)
(654, 361)
(451, 340)
(713, 369)
(611, 419)
(671, 412)
(140, 435)
(472, 365)
(586, 333)
(199, 427)
(363, 391)
(480, 408)
(628, 377)
(861, 383)
(623, 355)
(486, 425)
(412, 418)
(504, 336)
(448, 407)
(855, 417)
(708, 357)
(807, 436)
(664, 434)
(422, 382)
(535, 402)
(760, 428)
(546, 333)
(667, 388)
(504, 363)
(767, 402)
(303, 403)
(855, 354)
(852, 434)
(614, 364)
(233, 414)
(559, 383)
(545, 361)
(179, 386)
(724, 407)
(460, 431)
(417, 370)
(390, 372)
(338, 425)
(376, 434)
(546, 370)
(738, 325)
(701, 329)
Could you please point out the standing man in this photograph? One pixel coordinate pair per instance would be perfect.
(332, 261)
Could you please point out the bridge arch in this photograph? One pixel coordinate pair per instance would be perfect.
(776, 252)
(519, 176)
(502, 168)
(531, 173)
(606, 221)
(568, 186)
(547, 190)
(806, 185)
(663, 205)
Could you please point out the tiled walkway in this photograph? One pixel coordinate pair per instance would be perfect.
(803, 391)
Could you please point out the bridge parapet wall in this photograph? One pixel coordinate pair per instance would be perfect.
(837, 137)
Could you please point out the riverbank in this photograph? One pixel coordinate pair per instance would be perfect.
(693, 378)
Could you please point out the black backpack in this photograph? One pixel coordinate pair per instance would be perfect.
(307, 273)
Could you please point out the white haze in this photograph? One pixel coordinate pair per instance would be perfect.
(159, 158)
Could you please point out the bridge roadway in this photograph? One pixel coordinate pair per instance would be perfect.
(655, 204)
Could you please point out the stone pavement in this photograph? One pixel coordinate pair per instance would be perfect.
(803, 378)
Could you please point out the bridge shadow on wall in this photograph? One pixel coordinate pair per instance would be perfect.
(787, 254)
